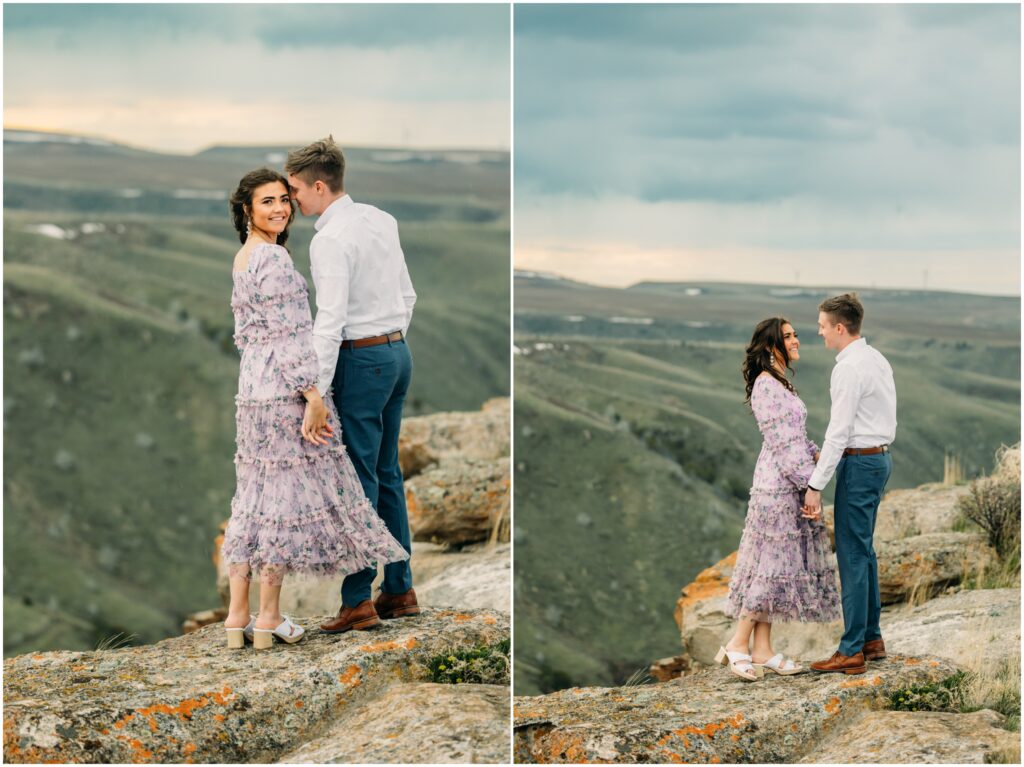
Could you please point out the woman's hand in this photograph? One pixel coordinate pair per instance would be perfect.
(817, 456)
(315, 428)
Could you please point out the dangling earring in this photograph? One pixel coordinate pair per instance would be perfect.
(248, 227)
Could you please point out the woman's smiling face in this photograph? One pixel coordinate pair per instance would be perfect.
(271, 208)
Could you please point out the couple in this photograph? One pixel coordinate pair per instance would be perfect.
(319, 488)
(783, 568)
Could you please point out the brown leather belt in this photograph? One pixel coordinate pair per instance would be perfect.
(359, 343)
(866, 450)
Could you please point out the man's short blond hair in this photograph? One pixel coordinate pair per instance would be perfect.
(322, 160)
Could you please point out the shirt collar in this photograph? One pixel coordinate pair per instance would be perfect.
(333, 209)
(860, 343)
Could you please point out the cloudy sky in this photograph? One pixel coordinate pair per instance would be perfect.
(183, 77)
(821, 145)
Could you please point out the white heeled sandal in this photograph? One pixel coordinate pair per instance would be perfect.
(238, 637)
(287, 632)
(781, 665)
(740, 664)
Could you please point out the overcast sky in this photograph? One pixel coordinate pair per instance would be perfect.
(183, 77)
(826, 145)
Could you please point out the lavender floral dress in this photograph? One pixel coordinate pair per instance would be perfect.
(298, 508)
(784, 568)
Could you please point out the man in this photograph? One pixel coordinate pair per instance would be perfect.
(861, 427)
(364, 301)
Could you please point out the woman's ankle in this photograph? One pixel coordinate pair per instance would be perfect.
(269, 620)
(237, 619)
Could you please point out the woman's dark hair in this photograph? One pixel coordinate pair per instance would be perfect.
(241, 199)
(767, 340)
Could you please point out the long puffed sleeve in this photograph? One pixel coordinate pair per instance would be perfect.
(283, 303)
(779, 419)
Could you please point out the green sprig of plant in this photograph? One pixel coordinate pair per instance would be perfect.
(484, 664)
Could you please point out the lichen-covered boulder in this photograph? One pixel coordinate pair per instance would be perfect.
(711, 717)
(190, 699)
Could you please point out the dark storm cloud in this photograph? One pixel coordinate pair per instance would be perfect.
(748, 103)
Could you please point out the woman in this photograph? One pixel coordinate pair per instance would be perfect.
(298, 505)
(784, 566)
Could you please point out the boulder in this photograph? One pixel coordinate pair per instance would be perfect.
(190, 699)
(978, 629)
(459, 503)
(196, 621)
(904, 737)
(667, 669)
(441, 437)
(439, 723)
(473, 579)
(710, 716)
(700, 611)
(923, 565)
(926, 509)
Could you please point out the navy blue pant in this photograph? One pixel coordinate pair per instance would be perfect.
(370, 385)
(860, 480)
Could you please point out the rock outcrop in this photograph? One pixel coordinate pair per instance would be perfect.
(709, 717)
(416, 723)
(973, 628)
(926, 509)
(457, 475)
(925, 564)
(903, 737)
(189, 699)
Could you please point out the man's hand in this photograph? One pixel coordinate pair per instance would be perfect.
(812, 505)
(315, 428)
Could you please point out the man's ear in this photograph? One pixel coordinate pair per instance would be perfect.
(319, 186)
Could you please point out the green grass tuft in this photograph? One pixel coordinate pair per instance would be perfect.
(485, 664)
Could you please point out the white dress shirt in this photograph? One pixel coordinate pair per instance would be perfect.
(863, 407)
(362, 283)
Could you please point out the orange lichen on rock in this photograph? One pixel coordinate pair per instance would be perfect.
(912, 661)
(298, 704)
(490, 620)
(462, 617)
(351, 676)
(140, 754)
(563, 746)
(223, 697)
(832, 706)
(219, 717)
(710, 582)
(861, 682)
(386, 646)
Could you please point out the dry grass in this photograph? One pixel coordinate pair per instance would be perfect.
(1009, 755)
(994, 686)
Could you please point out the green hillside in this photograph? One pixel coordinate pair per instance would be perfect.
(629, 411)
(121, 370)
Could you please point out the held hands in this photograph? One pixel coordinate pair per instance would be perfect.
(812, 505)
(315, 428)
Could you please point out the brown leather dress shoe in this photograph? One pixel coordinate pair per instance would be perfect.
(361, 617)
(396, 605)
(839, 663)
(873, 649)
